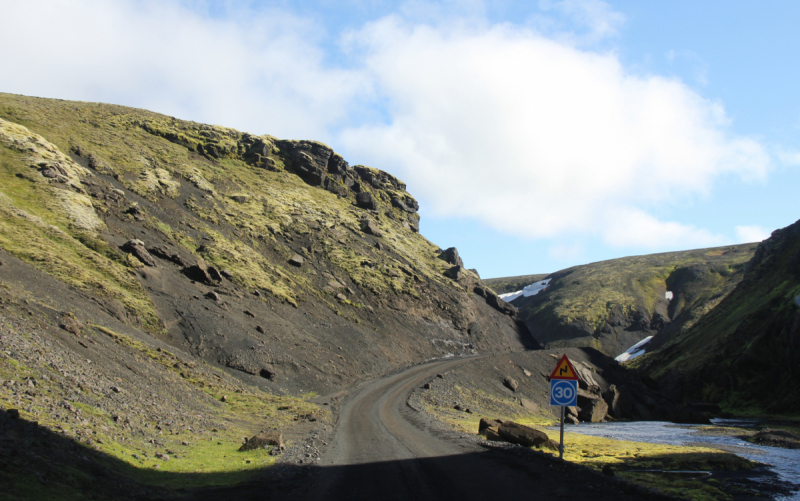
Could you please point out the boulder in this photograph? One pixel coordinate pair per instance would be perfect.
(510, 383)
(214, 273)
(455, 273)
(71, 324)
(201, 272)
(269, 438)
(365, 200)
(451, 256)
(240, 198)
(485, 424)
(493, 435)
(136, 247)
(570, 419)
(528, 405)
(370, 228)
(164, 253)
(296, 260)
(520, 434)
(593, 411)
(585, 379)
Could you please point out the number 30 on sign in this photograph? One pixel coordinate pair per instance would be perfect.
(563, 392)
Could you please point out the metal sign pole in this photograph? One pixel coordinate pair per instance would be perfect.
(561, 445)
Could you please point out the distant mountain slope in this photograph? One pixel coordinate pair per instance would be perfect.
(504, 285)
(611, 305)
(745, 353)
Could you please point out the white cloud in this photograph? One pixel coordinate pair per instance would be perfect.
(530, 135)
(262, 71)
(747, 234)
(789, 157)
(540, 139)
(598, 17)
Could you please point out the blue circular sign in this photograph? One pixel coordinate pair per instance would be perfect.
(563, 392)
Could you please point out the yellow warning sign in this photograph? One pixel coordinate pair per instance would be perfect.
(564, 370)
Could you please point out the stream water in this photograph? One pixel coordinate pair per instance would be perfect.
(784, 462)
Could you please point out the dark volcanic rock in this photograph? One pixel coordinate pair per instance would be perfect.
(296, 260)
(162, 252)
(201, 272)
(136, 247)
(369, 227)
(456, 273)
(510, 383)
(451, 256)
(593, 410)
(521, 434)
(365, 200)
(485, 424)
(497, 303)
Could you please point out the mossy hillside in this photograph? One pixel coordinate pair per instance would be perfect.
(38, 228)
(741, 353)
(580, 301)
(148, 155)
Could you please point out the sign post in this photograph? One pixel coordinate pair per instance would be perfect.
(563, 392)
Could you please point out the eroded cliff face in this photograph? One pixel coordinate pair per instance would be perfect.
(272, 258)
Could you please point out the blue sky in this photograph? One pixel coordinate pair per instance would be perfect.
(536, 135)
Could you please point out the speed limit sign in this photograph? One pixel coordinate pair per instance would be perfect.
(564, 392)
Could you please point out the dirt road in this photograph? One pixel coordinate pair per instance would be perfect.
(384, 449)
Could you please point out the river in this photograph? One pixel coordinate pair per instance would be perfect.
(784, 462)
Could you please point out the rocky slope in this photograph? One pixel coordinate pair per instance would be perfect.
(612, 305)
(262, 255)
(212, 277)
(743, 355)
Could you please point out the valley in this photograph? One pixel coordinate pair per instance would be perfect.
(172, 291)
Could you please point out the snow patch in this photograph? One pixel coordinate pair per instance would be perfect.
(669, 295)
(635, 350)
(527, 291)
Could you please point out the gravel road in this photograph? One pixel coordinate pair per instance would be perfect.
(382, 448)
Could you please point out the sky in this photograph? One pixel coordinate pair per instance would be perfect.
(535, 135)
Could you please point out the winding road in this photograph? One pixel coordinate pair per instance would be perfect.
(383, 449)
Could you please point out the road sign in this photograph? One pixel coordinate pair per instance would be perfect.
(564, 392)
(564, 370)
